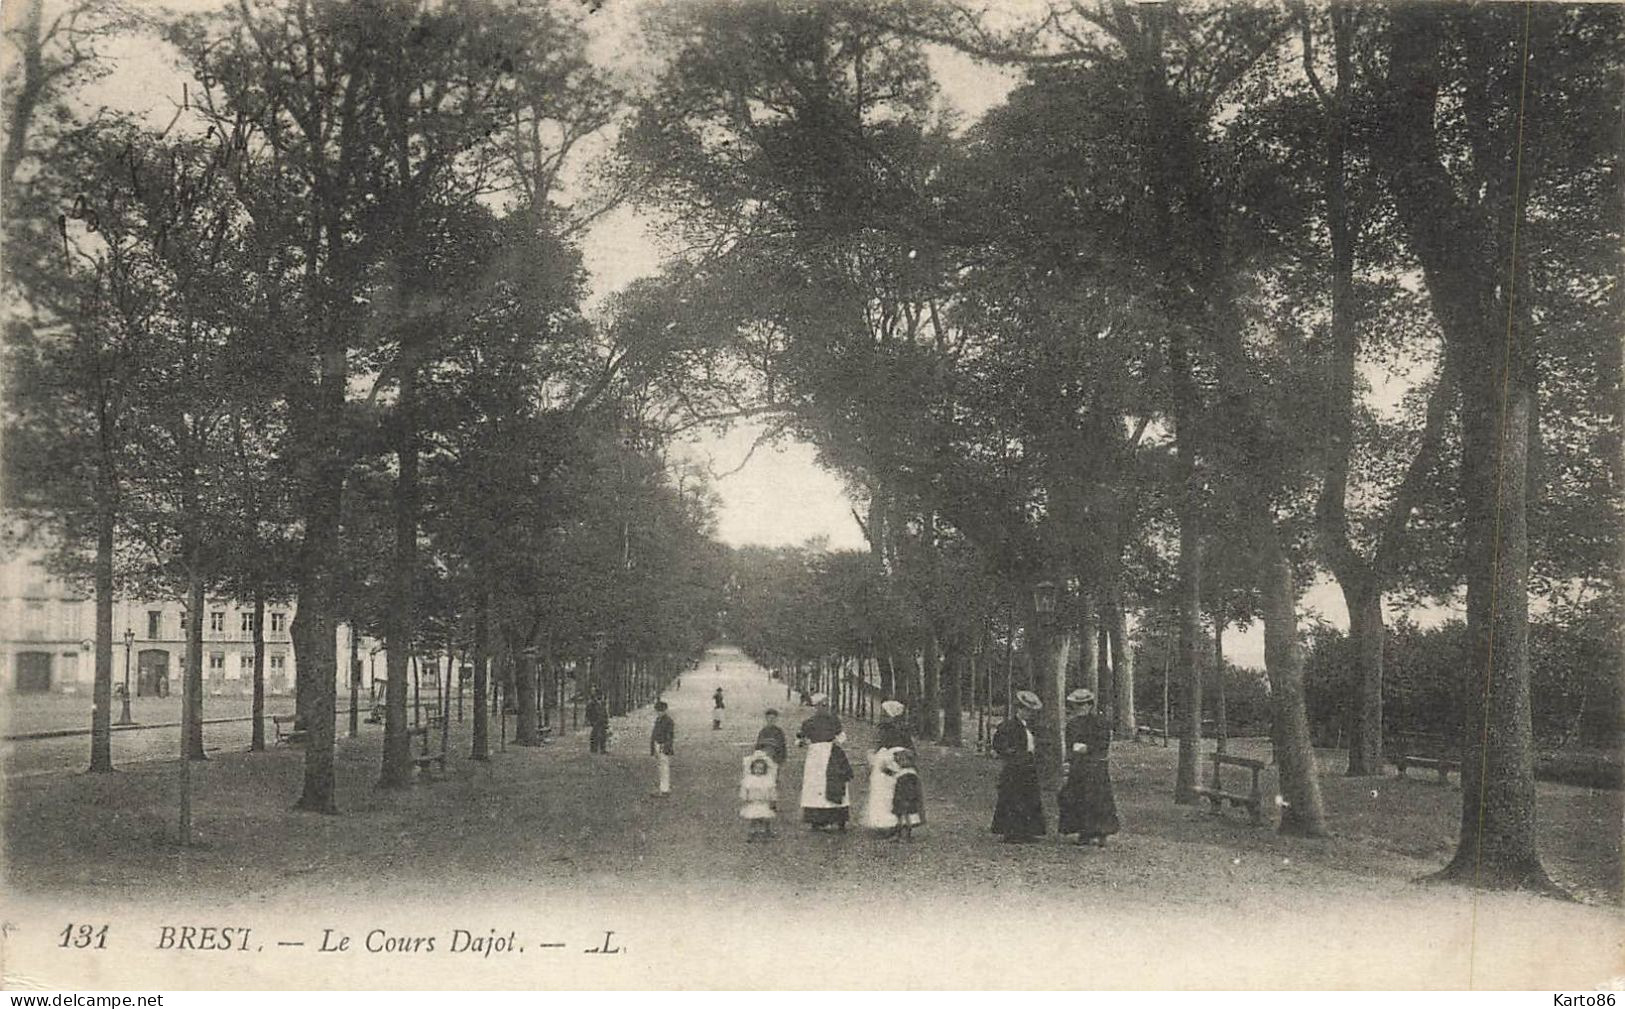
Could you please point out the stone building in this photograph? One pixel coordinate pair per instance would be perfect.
(48, 631)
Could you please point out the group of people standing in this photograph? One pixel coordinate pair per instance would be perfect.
(896, 800)
(895, 803)
(1086, 803)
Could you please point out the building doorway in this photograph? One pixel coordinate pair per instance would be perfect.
(153, 678)
(33, 672)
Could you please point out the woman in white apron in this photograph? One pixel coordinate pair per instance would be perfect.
(890, 735)
(825, 792)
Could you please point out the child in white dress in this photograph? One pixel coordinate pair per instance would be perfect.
(759, 795)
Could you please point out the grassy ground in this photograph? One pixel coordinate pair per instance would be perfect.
(555, 821)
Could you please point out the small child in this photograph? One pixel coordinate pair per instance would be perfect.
(908, 800)
(759, 792)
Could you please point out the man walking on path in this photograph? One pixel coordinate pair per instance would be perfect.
(598, 719)
(661, 747)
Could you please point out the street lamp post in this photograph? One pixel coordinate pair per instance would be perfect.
(124, 715)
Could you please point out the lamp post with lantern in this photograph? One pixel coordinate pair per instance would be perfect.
(124, 714)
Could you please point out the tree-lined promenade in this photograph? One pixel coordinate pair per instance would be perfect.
(1217, 300)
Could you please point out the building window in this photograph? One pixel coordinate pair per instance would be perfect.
(279, 622)
(247, 622)
(245, 662)
(155, 624)
(34, 620)
(217, 663)
(217, 621)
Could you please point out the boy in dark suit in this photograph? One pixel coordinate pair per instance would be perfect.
(771, 739)
(661, 746)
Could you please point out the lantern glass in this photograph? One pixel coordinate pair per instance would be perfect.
(1044, 597)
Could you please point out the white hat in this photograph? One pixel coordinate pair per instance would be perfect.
(820, 698)
(1082, 695)
(1028, 699)
(893, 709)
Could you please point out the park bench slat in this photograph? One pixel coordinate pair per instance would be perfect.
(1216, 794)
(1425, 750)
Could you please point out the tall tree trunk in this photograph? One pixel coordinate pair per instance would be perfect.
(1481, 305)
(481, 746)
(930, 695)
(1367, 634)
(192, 702)
(101, 712)
(1498, 836)
(257, 740)
(315, 643)
(1051, 650)
(953, 677)
(1122, 666)
(1302, 811)
(1088, 643)
(1190, 631)
(550, 685)
(354, 679)
(315, 627)
(526, 732)
(400, 621)
(1221, 715)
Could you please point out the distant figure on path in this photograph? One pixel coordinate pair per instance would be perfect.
(825, 801)
(1019, 815)
(890, 735)
(759, 794)
(1086, 804)
(598, 720)
(770, 739)
(662, 744)
(716, 709)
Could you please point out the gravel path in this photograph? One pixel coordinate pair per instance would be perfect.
(552, 837)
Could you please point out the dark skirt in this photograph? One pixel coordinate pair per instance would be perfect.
(1020, 811)
(825, 817)
(1086, 803)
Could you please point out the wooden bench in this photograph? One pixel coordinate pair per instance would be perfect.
(1253, 800)
(1423, 750)
(1160, 732)
(292, 735)
(423, 758)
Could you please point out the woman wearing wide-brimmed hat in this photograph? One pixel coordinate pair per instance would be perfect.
(1087, 806)
(1019, 815)
(890, 736)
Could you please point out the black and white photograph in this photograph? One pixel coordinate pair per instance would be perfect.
(812, 495)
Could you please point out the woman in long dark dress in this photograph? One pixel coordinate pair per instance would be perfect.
(1019, 815)
(1087, 806)
(826, 798)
